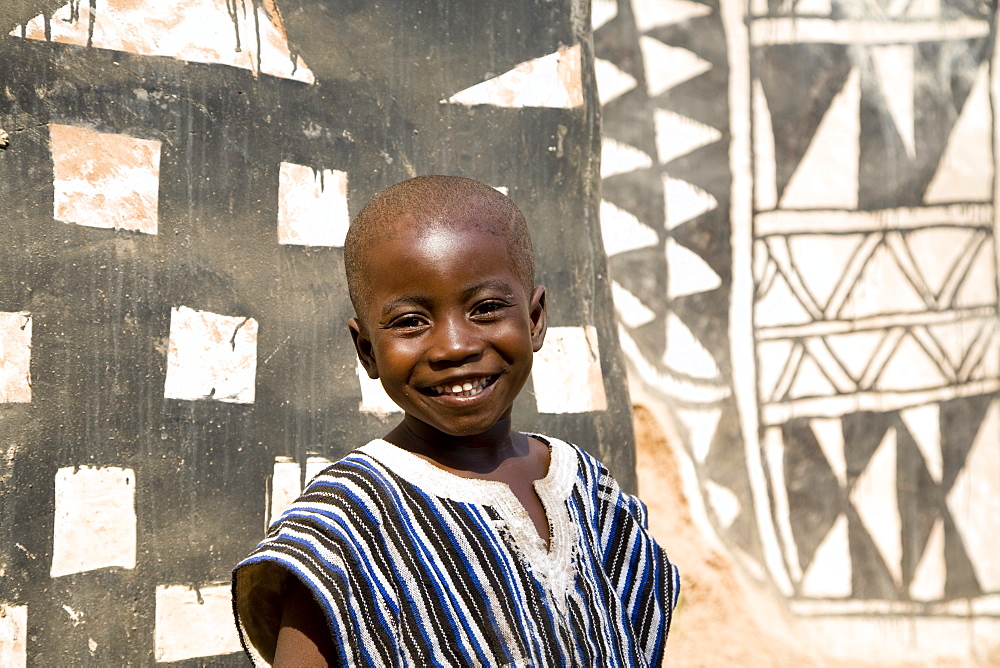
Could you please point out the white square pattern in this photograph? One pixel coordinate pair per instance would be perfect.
(567, 372)
(194, 622)
(105, 180)
(15, 357)
(373, 396)
(95, 524)
(211, 356)
(312, 206)
(13, 636)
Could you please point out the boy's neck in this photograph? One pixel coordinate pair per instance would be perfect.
(478, 454)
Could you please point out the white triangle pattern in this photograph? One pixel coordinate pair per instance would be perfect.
(685, 201)
(668, 66)
(602, 11)
(937, 251)
(779, 306)
(829, 434)
(724, 502)
(965, 173)
(612, 82)
(856, 350)
(622, 231)
(651, 14)
(621, 158)
(975, 503)
(979, 285)
(685, 353)
(881, 288)
(810, 381)
(631, 311)
(829, 572)
(201, 31)
(827, 176)
(554, 81)
(894, 71)
(678, 135)
(909, 368)
(775, 357)
(687, 272)
(929, 578)
(765, 176)
(701, 424)
(955, 340)
(821, 260)
(874, 497)
(924, 425)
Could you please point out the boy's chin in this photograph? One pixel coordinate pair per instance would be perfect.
(457, 428)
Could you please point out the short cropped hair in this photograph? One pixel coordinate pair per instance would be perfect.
(433, 201)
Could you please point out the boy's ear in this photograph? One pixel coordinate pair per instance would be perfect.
(537, 314)
(364, 347)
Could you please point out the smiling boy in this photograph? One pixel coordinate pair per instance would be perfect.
(454, 540)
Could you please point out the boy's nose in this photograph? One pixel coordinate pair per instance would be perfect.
(455, 341)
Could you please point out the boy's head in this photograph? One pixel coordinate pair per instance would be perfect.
(441, 276)
(431, 202)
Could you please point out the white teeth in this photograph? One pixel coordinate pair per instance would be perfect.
(469, 388)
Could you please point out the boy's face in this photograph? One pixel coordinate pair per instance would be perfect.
(448, 326)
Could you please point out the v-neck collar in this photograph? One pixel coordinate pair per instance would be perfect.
(553, 565)
(419, 472)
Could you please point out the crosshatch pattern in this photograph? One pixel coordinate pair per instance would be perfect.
(875, 305)
(848, 338)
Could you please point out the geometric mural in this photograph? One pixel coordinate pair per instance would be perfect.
(662, 74)
(875, 310)
(798, 212)
(800, 221)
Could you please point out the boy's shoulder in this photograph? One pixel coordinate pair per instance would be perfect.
(585, 460)
(387, 475)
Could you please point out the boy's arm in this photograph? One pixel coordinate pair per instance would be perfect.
(304, 638)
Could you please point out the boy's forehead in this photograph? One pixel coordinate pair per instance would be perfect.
(413, 234)
(456, 223)
(408, 237)
(456, 213)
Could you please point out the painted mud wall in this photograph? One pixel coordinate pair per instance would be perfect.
(799, 211)
(175, 184)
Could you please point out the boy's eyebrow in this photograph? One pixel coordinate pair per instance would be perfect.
(490, 284)
(399, 302)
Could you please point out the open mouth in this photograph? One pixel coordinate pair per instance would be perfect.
(467, 388)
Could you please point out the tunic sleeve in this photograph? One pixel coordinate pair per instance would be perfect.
(647, 583)
(259, 585)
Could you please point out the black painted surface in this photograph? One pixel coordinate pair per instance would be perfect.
(100, 299)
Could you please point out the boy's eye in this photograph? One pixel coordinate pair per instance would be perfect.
(407, 322)
(488, 308)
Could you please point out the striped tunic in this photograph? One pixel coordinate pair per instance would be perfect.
(415, 566)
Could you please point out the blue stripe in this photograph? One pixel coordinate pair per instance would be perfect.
(373, 519)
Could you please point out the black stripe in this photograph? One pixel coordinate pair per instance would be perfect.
(471, 566)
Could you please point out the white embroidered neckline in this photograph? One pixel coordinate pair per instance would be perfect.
(553, 566)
